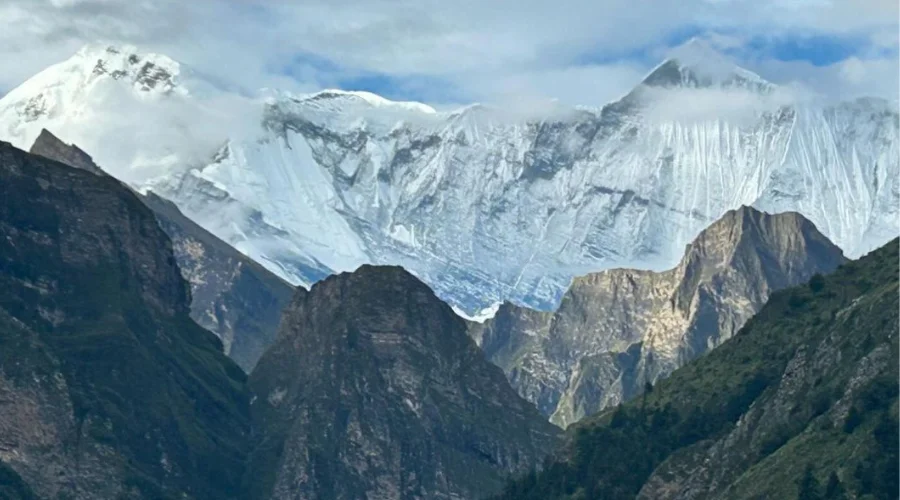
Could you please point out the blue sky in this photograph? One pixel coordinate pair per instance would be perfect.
(816, 50)
(459, 51)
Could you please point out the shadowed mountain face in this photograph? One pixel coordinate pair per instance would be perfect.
(231, 295)
(108, 389)
(801, 403)
(617, 330)
(373, 390)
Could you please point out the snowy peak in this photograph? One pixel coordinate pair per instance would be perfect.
(343, 97)
(343, 112)
(141, 114)
(696, 64)
(72, 79)
(93, 79)
(146, 72)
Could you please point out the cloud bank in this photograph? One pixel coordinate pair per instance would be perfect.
(456, 51)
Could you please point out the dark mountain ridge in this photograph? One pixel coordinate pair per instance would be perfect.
(232, 296)
(110, 390)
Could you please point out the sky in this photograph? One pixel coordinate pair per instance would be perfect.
(451, 52)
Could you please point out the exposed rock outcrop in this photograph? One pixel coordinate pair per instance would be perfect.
(800, 403)
(617, 330)
(374, 390)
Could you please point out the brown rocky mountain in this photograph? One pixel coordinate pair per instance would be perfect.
(617, 330)
(231, 295)
(374, 390)
(800, 404)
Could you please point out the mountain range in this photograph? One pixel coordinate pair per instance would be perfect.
(373, 387)
(657, 275)
(109, 389)
(614, 331)
(485, 205)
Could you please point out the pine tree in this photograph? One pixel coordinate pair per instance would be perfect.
(648, 388)
(853, 420)
(834, 490)
(809, 486)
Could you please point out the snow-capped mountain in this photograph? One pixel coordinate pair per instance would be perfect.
(483, 204)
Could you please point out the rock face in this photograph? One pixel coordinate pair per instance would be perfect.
(231, 295)
(49, 146)
(801, 403)
(373, 390)
(483, 204)
(108, 389)
(617, 330)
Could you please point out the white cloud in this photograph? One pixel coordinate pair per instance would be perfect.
(735, 106)
(847, 79)
(589, 85)
(534, 47)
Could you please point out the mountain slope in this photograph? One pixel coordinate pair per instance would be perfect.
(487, 205)
(805, 391)
(109, 389)
(619, 329)
(373, 390)
(232, 296)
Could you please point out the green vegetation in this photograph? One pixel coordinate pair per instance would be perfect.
(802, 403)
(12, 487)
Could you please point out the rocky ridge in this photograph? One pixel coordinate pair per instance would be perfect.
(373, 390)
(617, 330)
(108, 389)
(800, 403)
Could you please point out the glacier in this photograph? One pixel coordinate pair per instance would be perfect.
(483, 204)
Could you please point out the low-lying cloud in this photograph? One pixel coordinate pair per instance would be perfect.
(167, 130)
(729, 105)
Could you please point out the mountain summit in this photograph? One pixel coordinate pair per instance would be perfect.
(373, 390)
(619, 329)
(66, 89)
(697, 64)
(483, 207)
